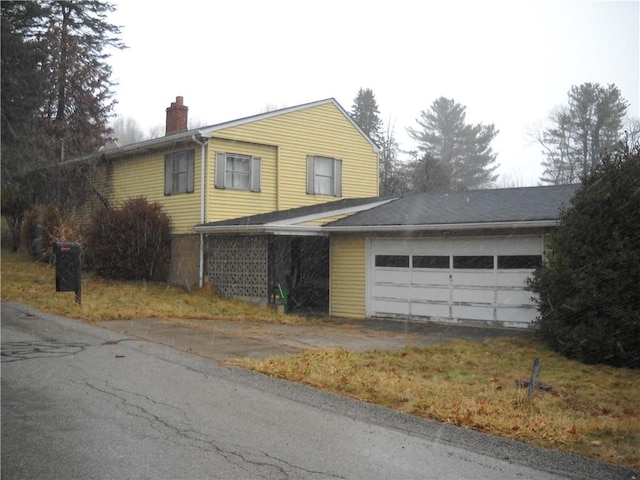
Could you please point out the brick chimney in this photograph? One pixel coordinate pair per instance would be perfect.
(177, 117)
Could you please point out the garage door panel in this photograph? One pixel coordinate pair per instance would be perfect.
(400, 292)
(438, 310)
(480, 279)
(430, 294)
(509, 279)
(383, 306)
(393, 275)
(472, 312)
(513, 297)
(430, 278)
(473, 295)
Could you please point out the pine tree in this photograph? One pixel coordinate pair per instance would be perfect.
(23, 78)
(456, 154)
(56, 83)
(56, 97)
(79, 101)
(366, 115)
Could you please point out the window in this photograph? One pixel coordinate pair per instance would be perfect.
(392, 261)
(430, 261)
(239, 172)
(178, 172)
(512, 262)
(475, 262)
(324, 176)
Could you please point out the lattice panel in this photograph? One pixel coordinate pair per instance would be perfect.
(238, 266)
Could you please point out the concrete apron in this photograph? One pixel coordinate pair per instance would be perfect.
(224, 340)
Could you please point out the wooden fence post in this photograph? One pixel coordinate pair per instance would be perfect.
(534, 376)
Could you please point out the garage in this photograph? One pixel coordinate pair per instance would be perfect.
(464, 279)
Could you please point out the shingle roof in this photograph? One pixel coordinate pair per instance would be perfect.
(279, 216)
(477, 206)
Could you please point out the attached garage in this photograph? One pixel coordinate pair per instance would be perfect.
(446, 257)
(469, 279)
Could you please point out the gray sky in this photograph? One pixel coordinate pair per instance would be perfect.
(509, 62)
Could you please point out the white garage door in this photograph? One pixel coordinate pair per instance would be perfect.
(480, 279)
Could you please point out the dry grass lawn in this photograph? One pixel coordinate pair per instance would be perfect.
(591, 410)
(34, 284)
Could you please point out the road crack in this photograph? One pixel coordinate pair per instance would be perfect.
(180, 431)
(19, 351)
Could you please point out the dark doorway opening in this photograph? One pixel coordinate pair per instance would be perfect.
(299, 269)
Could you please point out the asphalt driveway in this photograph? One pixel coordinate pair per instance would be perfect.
(224, 340)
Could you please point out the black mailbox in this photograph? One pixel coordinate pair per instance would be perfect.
(68, 267)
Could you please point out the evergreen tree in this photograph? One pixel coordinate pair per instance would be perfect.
(582, 132)
(366, 115)
(24, 83)
(79, 101)
(56, 85)
(56, 99)
(456, 155)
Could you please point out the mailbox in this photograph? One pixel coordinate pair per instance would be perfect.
(68, 268)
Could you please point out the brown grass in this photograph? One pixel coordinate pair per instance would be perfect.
(34, 283)
(591, 410)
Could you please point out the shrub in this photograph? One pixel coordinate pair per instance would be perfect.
(132, 242)
(589, 290)
(42, 226)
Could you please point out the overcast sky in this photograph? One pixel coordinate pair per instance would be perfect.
(509, 62)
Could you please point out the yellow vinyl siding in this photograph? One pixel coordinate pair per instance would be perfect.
(321, 130)
(347, 276)
(226, 203)
(143, 176)
(282, 142)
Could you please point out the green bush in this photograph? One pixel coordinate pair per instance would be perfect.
(132, 242)
(589, 290)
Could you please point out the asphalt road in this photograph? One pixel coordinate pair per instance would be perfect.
(84, 402)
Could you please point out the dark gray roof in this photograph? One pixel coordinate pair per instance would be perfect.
(477, 206)
(278, 216)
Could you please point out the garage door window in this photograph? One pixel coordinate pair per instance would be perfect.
(401, 261)
(514, 262)
(473, 262)
(430, 261)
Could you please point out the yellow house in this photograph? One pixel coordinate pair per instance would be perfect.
(293, 157)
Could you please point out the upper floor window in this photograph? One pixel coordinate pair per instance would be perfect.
(324, 176)
(178, 172)
(235, 171)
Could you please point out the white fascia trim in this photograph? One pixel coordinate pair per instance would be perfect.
(260, 230)
(331, 213)
(442, 226)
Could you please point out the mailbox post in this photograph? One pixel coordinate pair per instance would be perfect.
(68, 268)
